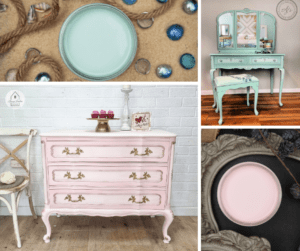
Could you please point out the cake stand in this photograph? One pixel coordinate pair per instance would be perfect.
(103, 125)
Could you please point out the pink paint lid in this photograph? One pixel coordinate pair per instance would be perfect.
(103, 112)
(249, 194)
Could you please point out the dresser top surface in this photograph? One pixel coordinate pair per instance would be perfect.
(90, 133)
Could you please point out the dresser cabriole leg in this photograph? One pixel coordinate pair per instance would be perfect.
(169, 217)
(255, 99)
(45, 218)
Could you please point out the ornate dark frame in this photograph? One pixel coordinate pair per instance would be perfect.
(214, 156)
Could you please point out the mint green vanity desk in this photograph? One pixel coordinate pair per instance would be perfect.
(242, 37)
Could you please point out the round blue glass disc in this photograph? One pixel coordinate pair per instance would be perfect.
(43, 77)
(162, 1)
(187, 61)
(164, 71)
(129, 2)
(175, 32)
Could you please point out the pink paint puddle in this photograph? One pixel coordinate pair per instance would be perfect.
(249, 194)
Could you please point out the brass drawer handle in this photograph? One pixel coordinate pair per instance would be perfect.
(136, 153)
(80, 198)
(79, 176)
(133, 199)
(67, 151)
(134, 176)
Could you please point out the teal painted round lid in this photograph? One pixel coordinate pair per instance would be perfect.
(98, 42)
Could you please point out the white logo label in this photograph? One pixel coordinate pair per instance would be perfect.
(15, 99)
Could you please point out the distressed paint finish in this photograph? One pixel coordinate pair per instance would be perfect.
(247, 58)
(78, 192)
(25, 185)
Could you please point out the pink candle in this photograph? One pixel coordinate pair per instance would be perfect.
(249, 194)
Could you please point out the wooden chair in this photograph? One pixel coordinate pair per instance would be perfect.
(22, 182)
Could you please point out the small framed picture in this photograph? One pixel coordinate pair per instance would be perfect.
(141, 121)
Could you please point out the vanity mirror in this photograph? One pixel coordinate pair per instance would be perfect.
(246, 39)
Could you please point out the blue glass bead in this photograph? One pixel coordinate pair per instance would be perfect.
(175, 32)
(164, 71)
(190, 6)
(43, 77)
(162, 1)
(129, 2)
(187, 61)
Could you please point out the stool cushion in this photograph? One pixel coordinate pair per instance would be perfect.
(19, 180)
(234, 79)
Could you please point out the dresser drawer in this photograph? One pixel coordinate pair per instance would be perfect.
(109, 176)
(231, 60)
(108, 152)
(124, 199)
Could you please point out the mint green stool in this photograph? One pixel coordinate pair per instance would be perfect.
(224, 83)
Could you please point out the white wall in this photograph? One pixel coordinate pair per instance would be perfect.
(174, 108)
(287, 42)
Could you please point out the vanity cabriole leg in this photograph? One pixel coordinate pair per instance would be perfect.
(220, 97)
(255, 88)
(272, 80)
(169, 217)
(281, 84)
(248, 92)
(213, 86)
(45, 218)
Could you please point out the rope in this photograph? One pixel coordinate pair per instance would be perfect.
(151, 14)
(27, 64)
(8, 40)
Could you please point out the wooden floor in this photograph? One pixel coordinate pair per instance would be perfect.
(81, 233)
(236, 111)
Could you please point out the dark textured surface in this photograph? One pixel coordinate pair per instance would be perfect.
(283, 230)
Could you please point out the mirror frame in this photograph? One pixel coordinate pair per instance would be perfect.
(235, 49)
(214, 156)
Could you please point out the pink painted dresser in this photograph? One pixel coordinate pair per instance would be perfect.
(108, 174)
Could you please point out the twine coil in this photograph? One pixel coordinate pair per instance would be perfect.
(28, 63)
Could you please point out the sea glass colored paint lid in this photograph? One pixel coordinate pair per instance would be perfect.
(98, 42)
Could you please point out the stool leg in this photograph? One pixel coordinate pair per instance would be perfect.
(220, 96)
(248, 91)
(255, 88)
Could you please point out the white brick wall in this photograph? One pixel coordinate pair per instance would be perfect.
(174, 108)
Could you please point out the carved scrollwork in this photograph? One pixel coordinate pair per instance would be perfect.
(214, 156)
(228, 240)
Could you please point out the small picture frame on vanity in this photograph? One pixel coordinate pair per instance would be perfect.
(141, 121)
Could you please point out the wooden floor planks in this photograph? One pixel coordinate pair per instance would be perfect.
(82, 233)
(236, 112)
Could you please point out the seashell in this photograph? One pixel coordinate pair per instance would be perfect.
(42, 7)
(31, 17)
(3, 7)
(7, 178)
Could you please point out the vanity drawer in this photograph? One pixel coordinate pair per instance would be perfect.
(108, 152)
(266, 60)
(123, 199)
(223, 60)
(109, 176)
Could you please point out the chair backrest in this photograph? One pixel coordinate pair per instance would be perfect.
(11, 154)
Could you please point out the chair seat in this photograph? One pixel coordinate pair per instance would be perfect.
(234, 80)
(19, 184)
